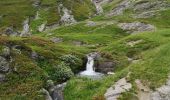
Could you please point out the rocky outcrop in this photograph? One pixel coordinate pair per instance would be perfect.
(66, 17)
(26, 29)
(146, 9)
(136, 27)
(143, 91)
(120, 8)
(10, 32)
(117, 89)
(162, 93)
(56, 92)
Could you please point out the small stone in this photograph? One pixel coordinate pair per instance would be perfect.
(34, 55)
(91, 23)
(56, 40)
(2, 77)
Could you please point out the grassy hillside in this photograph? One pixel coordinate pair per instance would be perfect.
(35, 60)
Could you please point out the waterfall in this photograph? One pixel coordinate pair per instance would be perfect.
(90, 66)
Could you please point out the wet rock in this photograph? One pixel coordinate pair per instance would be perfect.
(105, 66)
(56, 40)
(136, 27)
(4, 65)
(115, 91)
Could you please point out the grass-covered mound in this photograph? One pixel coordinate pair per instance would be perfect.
(28, 74)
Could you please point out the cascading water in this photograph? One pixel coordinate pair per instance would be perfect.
(90, 67)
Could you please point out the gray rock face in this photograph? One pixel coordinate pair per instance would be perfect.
(66, 18)
(120, 8)
(115, 91)
(136, 27)
(4, 65)
(56, 40)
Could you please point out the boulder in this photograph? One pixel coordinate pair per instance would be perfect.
(136, 27)
(34, 55)
(4, 65)
(56, 92)
(10, 32)
(117, 89)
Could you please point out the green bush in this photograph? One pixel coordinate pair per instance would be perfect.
(74, 62)
(62, 72)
